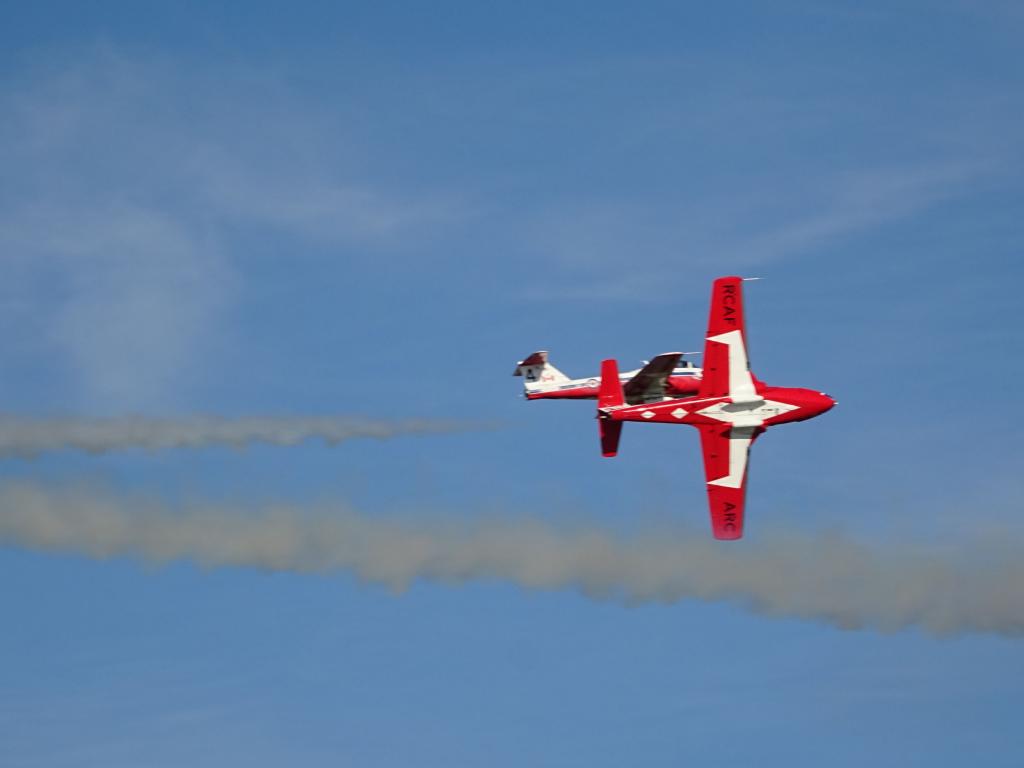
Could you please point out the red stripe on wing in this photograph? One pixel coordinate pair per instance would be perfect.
(726, 504)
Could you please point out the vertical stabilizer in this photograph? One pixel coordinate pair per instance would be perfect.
(539, 374)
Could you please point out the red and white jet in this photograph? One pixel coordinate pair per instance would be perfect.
(667, 375)
(731, 408)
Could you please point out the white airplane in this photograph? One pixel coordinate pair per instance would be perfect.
(667, 375)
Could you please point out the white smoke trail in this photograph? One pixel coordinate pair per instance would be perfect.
(827, 578)
(27, 437)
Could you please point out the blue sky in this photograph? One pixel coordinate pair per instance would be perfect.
(377, 209)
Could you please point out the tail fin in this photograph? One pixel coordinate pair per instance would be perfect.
(538, 373)
(609, 395)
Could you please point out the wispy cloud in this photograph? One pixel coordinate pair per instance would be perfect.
(132, 295)
(860, 201)
(642, 248)
(126, 185)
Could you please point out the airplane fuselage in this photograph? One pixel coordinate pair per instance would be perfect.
(774, 405)
(677, 385)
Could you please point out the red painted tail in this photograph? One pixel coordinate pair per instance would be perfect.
(609, 395)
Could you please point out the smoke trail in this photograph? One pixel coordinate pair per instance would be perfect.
(827, 578)
(27, 438)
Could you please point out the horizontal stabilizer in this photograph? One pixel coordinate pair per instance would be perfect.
(610, 431)
(610, 393)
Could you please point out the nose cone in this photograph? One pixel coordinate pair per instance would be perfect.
(824, 402)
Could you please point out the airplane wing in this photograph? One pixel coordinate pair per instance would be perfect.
(726, 367)
(726, 449)
(649, 383)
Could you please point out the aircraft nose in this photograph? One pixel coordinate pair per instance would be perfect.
(827, 402)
